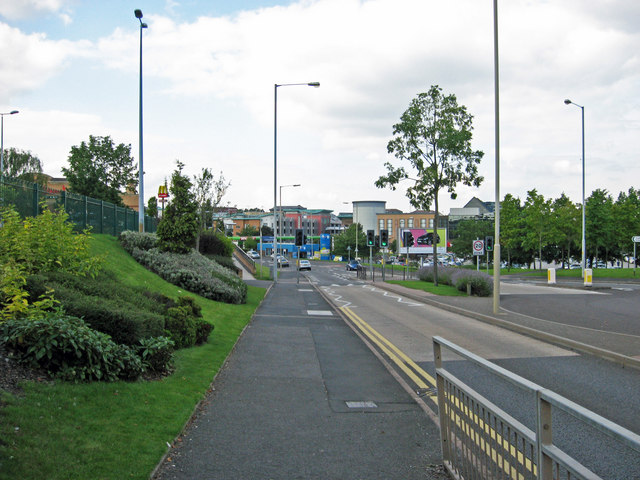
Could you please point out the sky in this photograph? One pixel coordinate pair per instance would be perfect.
(71, 67)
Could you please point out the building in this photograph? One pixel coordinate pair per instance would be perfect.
(129, 198)
(365, 213)
(475, 209)
(395, 221)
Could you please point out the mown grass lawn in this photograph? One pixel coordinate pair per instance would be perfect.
(115, 430)
(444, 290)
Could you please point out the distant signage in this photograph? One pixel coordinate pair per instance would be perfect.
(162, 191)
(423, 241)
(636, 239)
(478, 247)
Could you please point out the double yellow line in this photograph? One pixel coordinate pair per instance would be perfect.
(425, 381)
(421, 378)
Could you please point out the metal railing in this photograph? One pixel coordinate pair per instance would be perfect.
(84, 212)
(481, 441)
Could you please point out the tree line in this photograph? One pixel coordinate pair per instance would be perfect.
(546, 229)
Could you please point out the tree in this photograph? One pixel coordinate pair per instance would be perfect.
(466, 232)
(347, 239)
(208, 195)
(536, 219)
(152, 207)
(434, 136)
(601, 236)
(565, 226)
(23, 165)
(179, 227)
(626, 214)
(249, 231)
(100, 169)
(266, 231)
(511, 226)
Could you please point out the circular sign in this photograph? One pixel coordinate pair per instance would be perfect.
(478, 246)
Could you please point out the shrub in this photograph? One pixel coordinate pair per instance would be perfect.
(67, 348)
(426, 274)
(190, 303)
(195, 273)
(157, 354)
(216, 243)
(142, 240)
(225, 262)
(481, 283)
(203, 330)
(45, 243)
(14, 298)
(181, 326)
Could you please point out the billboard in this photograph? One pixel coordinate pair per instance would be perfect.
(423, 241)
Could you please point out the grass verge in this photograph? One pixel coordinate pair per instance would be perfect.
(444, 290)
(115, 430)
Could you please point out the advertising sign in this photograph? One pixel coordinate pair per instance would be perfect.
(423, 241)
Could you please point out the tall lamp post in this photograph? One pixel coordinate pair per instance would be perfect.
(275, 167)
(280, 215)
(584, 240)
(12, 112)
(138, 14)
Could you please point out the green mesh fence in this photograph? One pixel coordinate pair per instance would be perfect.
(84, 212)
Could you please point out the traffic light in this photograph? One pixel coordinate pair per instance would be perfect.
(408, 238)
(384, 238)
(299, 237)
(371, 238)
(488, 243)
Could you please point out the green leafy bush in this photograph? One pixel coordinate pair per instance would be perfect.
(181, 326)
(45, 243)
(195, 273)
(156, 354)
(142, 240)
(203, 330)
(69, 349)
(106, 306)
(14, 299)
(225, 262)
(216, 243)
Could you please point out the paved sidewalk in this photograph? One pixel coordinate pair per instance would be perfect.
(301, 397)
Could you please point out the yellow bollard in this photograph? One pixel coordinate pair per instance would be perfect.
(588, 277)
(551, 276)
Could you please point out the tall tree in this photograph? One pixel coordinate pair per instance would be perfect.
(565, 226)
(178, 229)
(601, 234)
(626, 214)
(208, 195)
(511, 226)
(347, 238)
(466, 232)
(100, 169)
(23, 165)
(434, 137)
(152, 207)
(536, 216)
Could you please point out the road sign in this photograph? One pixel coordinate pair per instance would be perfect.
(636, 239)
(478, 247)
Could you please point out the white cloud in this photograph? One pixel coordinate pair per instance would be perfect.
(19, 9)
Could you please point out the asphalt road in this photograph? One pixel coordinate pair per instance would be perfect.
(598, 385)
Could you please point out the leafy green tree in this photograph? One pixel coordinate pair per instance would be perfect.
(208, 195)
(100, 169)
(266, 230)
(537, 229)
(249, 231)
(466, 232)
(601, 229)
(179, 226)
(434, 137)
(626, 217)
(152, 207)
(347, 238)
(511, 227)
(566, 227)
(23, 165)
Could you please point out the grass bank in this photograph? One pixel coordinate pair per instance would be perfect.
(115, 430)
(444, 290)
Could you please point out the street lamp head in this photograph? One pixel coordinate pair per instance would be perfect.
(314, 84)
(138, 13)
(568, 102)
(13, 112)
(143, 25)
(296, 185)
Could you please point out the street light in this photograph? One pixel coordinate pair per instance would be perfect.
(275, 167)
(138, 14)
(584, 241)
(12, 112)
(280, 216)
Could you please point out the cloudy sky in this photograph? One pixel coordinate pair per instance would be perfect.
(71, 68)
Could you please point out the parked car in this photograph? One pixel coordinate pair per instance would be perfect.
(304, 265)
(353, 265)
(253, 254)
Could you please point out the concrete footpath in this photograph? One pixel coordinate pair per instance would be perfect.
(302, 397)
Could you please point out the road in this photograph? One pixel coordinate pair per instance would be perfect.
(598, 385)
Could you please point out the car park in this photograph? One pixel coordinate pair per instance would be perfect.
(304, 265)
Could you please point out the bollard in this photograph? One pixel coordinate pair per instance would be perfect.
(588, 277)
(551, 276)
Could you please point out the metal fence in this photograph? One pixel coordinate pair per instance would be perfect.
(84, 212)
(481, 441)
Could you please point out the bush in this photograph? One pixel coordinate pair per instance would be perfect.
(225, 262)
(481, 283)
(216, 243)
(203, 330)
(67, 348)
(181, 326)
(144, 241)
(157, 354)
(426, 274)
(195, 273)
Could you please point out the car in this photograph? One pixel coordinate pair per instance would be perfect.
(253, 254)
(427, 239)
(304, 265)
(353, 265)
(282, 261)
